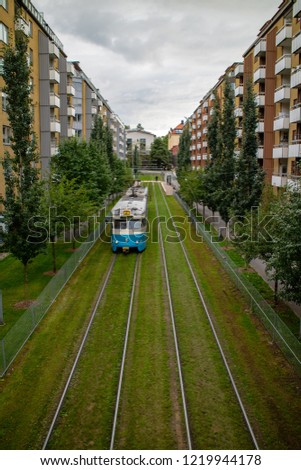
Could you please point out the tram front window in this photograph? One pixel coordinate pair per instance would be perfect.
(120, 225)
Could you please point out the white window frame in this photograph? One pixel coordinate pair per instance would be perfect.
(6, 134)
(3, 3)
(4, 101)
(3, 33)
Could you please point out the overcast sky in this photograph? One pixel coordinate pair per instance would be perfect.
(153, 60)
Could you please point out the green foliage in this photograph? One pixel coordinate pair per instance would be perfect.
(160, 155)
(184, 151)
(192, 186)
(285, 260)
(22, 187)
(250, 177)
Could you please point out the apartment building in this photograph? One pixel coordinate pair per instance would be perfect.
(141, 139)
(200, 152)
(65, 101)
(174, 140)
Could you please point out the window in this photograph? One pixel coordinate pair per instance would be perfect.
(30, 57)
(31, 84)
(30, 28)
(4, 101)
(120, 224)
(3, 3)
(1, 65)
(3, 33)
(6, 135)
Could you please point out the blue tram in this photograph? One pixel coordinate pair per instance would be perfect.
(129, 220)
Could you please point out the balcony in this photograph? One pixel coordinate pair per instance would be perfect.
(281, 122)
(295, 113)
(193, 137)
(205, 130)
(199, 146)
(205, 156)
(239, 90)
(71, 132)
(70, 69)
(199, 135)
(296, 78)
(260, 126)
(193, 126)
(284, 35)
(239, 133)
(205, 104)
(239, 70)
(199, 122)
(212, 97)
(70, 90)
(280, 151)
(54, 75)
(205, 144)
(205, 117)
(53, 148)
(93, 95)
(238, 112)
(260, 48)
(260, 152)
(55, 125)
(283, 65)
(295, 148)
(260, 99)
(297, 9)
(22, 25)
(259, 74)
(293, 182)
(211, 111)
(280, 181)
(94, 109)
(54, 100)
(282, 94)
(54, 50)
(199, 157)
(296, 43)
(71, 111)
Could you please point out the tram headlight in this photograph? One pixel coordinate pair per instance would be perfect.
(116, 241)
(137, 242)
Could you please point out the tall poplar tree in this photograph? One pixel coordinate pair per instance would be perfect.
(22, 187)
(184, 151)
(249, 175)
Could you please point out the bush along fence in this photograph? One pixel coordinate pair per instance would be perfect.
(278, 330)
(17, 336)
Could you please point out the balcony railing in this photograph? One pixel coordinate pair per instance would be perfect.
(71, 111)
(55, 125)
(21, 24)
(295, 113)
(281, 122)
(280, 181)
(70, 90)
(282, 93)
(295, 148)
(71, 132)
(283, 65)
(297, 9)
(54, 100)
(239, 133)
(259, 74)
(54, 75)
(70, 68)
(260, 48)
(238, 112)
(296, 43)
(205, 104)
(260, 99)
(54, 50)
(260, 152)
(260, 126)
(296, 77)
(284, 35)
(280, 151)
(239, 70)
(239, 90)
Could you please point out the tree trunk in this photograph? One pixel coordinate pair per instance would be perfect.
(25, 280)
(53, 251)
(276, 292)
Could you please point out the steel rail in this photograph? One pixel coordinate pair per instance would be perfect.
(174, 330)
(58, 409)
(243, 410)
(124, 353)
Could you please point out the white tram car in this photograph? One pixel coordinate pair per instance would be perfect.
(129, 220)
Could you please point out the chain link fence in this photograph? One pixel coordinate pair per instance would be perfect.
(278, 330)
(15, 339)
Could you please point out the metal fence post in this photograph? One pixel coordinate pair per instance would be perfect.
(1, 309)
(3, 356)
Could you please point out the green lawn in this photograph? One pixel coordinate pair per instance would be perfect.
(12, 281)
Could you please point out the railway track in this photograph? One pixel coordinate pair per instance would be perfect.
(81, 347)
(187, 426)
(214, 332)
